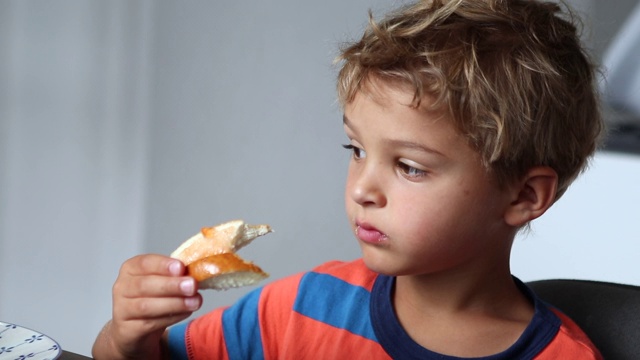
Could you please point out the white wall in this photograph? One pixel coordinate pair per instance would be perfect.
(246, 125)
(592, 231)
(126, 126)
(72, 160)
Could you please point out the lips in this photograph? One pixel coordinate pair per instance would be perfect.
(369, 234)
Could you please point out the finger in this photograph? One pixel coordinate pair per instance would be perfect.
(153, 264)
(158, 286)
(155, 308)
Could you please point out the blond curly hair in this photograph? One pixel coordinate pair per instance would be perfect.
(512, 74)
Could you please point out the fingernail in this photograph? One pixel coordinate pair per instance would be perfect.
(187, 287)
(192, 303)
(174, 268)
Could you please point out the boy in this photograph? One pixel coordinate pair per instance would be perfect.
(466, 120)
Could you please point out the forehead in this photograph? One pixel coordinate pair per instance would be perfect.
(386, 92)
(388, 113)
(398, 97)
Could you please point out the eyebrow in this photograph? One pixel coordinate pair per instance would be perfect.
(401, 143)
(414, 146)
(345, 120)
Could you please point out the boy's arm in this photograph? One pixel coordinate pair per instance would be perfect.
(150, 294)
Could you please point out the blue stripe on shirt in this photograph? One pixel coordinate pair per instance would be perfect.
(241, 328)
(176, 342)
(335, 302)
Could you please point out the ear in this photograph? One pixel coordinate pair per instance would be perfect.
(533, 194)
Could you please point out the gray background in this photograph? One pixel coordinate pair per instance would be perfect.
(126, 126)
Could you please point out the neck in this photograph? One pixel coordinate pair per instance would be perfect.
(483, 283)
(458, 291)
(471, 309)
(461, 314)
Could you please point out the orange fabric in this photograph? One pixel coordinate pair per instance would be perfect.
(275, 313)
(345, 271)
(211, 346)
(287, 334)
(284, 331)
(570, 343)
(335, 344)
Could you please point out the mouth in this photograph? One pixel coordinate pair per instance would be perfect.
(369, 234)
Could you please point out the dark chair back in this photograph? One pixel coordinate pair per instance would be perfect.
(609, 313)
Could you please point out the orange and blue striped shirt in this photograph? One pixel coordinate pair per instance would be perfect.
(344, 311)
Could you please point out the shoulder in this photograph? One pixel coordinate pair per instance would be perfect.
(315, 287)
(325, 305)
(354, 273)
(553, 335)
(571, 342)
(333, 293)
(335, 276)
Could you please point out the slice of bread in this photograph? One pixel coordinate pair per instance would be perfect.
(224, 238)
(211, 259)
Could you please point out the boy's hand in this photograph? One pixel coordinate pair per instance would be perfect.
(150, 294)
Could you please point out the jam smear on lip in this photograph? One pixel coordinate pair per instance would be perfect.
(370, 235)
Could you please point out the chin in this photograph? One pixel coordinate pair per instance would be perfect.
(379, 262)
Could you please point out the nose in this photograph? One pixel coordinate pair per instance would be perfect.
(365, 187)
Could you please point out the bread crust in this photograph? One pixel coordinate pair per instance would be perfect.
(224, 271)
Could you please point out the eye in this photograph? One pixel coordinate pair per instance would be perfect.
(411, 171)
(357, 152)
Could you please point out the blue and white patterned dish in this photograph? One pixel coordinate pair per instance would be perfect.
(18, 343)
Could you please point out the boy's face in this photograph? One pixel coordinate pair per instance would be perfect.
(417, 196)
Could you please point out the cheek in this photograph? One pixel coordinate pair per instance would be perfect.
(351, 180)
(431, 213)
(347, 193)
